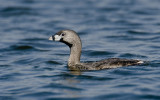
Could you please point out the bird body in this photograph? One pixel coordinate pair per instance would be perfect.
(71, 38)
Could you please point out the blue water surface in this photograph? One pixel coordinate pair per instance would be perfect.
(34, 68)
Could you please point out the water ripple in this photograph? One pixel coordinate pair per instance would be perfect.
(17, 11)
(33, 68)
(53, 62)
(24, 47)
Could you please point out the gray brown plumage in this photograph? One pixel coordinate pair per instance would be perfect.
(70, 38)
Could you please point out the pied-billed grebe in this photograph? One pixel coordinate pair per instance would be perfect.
(70, 38)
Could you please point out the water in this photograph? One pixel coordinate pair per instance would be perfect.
(33, 68)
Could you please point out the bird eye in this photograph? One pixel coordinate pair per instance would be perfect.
(63, 34)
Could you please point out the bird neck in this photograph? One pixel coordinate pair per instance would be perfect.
(75, 53)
